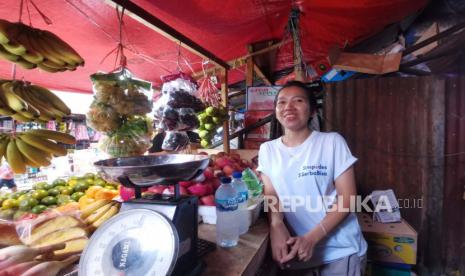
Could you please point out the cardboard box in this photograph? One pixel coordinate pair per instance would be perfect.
(389, 242)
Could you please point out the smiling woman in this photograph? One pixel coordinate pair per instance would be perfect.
(318, 166)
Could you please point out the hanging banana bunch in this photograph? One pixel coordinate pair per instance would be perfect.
(25, 102)
(30, 48)
(33, 148)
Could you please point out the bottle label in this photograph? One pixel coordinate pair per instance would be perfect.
(243, 196)
(226, 204)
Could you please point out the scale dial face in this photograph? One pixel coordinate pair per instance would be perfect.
(133, 243)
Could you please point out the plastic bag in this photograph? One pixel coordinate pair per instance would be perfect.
(125, 94)
(175, 141)
(131, 139)
(175, 111)
(102, 117)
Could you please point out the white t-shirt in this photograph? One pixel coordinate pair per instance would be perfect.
(305, 175)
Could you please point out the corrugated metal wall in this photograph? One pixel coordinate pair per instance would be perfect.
(454, 185)
(397, 129)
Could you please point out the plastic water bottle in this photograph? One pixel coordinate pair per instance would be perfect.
(242, 198)
(227, 228)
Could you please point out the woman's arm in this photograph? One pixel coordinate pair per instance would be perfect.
(278, 231)
(303, 246)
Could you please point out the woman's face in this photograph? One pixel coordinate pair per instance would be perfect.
(293, 108)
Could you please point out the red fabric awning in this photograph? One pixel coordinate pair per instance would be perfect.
(224, 28)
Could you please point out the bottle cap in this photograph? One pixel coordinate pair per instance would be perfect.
(225, 180)
(237, 175)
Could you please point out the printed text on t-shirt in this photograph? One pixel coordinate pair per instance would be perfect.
(313, 170)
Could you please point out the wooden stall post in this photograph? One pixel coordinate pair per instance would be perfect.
(224, 98)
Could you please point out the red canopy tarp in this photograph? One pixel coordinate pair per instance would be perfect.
(224, 28)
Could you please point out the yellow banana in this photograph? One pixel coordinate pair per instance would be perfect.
(98, 213)
(7, 55)
(4, 108)
(18, 90)
(3, 31)
(6, 111)
(113, 211)
(94, 206)
(31, 54)
(34, 154)
(44, 144)
(3, 144)
(28, 115)
(15, 158)
(19, 117)
(44, 113)
(25, 64)
(48, 95)
(64, 49)
(11, 99)
(39, 42)
(53, 65)
(30, 163)
(14, 48)
(45, 68)
(53, 135)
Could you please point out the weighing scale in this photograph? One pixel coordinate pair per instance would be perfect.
(154, 234)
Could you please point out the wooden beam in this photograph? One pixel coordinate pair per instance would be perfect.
(225, 100)
(413, 71)
(249, 69)
(259, 73)
(243, 131)
(240, 61)
(149, 20)
(434, 38)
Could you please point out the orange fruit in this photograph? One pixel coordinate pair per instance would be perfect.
(105, 193)
(93, 190)
(84, 201)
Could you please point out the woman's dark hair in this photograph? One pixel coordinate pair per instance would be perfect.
(308, 92)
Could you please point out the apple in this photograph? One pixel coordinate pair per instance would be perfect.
(228, 170)
(126, 193)
(157, 189)
(185, 184)
(198, 189)
(208, 173)
(208, 200)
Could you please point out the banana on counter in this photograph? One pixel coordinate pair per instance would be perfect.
(34, 48)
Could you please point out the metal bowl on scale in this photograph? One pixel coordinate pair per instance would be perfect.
(149, 170)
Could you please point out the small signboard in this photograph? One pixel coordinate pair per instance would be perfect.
(261, 97)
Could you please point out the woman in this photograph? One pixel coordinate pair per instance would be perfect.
(7, 177)
(310, 175)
